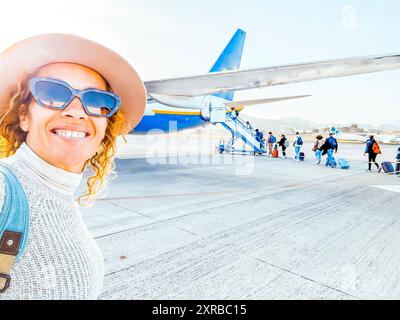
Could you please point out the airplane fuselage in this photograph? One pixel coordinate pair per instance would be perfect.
(159, 118)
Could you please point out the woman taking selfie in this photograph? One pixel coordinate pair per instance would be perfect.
(63, 102)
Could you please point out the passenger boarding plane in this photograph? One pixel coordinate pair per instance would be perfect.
(197, 100)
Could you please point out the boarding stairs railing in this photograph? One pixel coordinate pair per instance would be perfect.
(240, 130)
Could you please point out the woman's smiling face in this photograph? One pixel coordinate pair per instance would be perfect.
(65, 138)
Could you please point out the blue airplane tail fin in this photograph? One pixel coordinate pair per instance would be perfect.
(230, 59)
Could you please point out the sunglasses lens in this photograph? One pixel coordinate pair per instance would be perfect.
(51, 94)
(99, 103)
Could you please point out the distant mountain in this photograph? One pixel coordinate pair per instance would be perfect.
(283, 125)
(298, 124)
(392, 125)
(290, 125)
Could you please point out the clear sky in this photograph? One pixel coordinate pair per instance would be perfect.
(172, 38)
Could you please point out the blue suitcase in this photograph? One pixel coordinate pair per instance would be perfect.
(302, 156)
(343, 163)
(387, 167)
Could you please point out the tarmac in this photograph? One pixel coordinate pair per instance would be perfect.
(174, 226)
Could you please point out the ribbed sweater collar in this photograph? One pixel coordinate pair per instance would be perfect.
(55, 178)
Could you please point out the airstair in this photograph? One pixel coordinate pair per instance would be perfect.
(240, 130)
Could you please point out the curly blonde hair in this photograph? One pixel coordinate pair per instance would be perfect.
(101, 164)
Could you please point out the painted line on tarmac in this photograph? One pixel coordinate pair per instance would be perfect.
(393, 188)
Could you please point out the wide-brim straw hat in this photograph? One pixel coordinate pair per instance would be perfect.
(30, 54)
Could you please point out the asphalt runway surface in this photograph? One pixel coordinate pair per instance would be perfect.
(181, 225)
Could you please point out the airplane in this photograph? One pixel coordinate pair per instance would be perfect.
(387, 138)
(362, 138)
(194, 101)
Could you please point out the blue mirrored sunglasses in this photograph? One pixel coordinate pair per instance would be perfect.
(57, 94)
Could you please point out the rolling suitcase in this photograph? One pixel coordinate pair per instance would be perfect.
(387, 167)
(302, 156)
(343, 163)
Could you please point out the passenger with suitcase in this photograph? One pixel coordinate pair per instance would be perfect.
(271, 142)
(331, 146)
(373, 149)
(298, 144)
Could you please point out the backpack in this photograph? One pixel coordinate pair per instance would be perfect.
(14, 225)
(375, 148)
(299, 141)
(272, 139)
(332, 142)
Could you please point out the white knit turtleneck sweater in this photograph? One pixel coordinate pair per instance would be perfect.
(61, 260)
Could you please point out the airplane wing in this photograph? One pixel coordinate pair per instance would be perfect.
(187, 102)
(247, 103)
(271, 76)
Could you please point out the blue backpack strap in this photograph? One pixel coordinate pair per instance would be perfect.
(14, 225)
